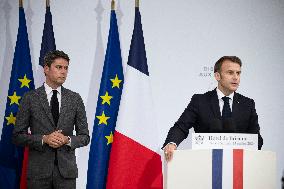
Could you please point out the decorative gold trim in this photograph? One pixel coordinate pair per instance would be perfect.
(112, 4)
(47, 3)
(136, 3)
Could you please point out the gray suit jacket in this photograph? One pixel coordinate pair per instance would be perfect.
(35, 113)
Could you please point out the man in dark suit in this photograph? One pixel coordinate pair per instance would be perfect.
(51, 112)
(220, 110)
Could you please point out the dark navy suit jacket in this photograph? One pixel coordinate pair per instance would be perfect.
(203, 114)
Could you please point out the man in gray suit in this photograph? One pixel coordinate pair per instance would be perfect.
(52, 112)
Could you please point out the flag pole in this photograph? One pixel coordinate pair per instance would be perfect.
(137, 3)
(112, 4)
(47, 3)
(20, 3)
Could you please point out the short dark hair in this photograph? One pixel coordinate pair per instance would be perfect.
(52, 55)
(219, 63)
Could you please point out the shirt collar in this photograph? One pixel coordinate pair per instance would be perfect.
(48, 89)
(220, 94)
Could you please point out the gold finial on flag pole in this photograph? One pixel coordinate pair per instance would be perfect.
(112, 5)
(136, 3)
(47, 3)
(20, 3)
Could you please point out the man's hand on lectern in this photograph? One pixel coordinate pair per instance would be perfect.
(169, 151)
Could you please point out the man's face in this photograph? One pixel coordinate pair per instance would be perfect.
(229, 77)
(57, 72)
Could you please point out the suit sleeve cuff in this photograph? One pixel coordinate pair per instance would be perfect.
(69, 141)
(170, 143)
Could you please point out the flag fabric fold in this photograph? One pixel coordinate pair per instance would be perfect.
(106, 112)
(134, 160)
(47, 44)
(21, 81)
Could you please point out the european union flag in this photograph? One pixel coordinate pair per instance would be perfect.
(107, 109)
(21, 81)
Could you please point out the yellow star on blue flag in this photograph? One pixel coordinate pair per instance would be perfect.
(11, 119)
(115, 82)
(25, 81)
(109, 138)
(14, 99)
(103, 118)
(106, 98)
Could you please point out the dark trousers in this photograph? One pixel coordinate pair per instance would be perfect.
(55, 181)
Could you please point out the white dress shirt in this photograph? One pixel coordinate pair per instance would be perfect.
(49, 94)
(221, 101)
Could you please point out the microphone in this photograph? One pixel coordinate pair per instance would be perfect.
(216, 126)
(229, 125)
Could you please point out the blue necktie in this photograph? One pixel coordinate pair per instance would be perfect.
(226, 112)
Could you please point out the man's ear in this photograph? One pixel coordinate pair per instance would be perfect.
(45, 68)
(217, 76)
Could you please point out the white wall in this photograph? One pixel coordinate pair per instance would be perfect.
(183, 39)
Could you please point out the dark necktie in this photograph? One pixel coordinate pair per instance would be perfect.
(54, 106)
(226, 112)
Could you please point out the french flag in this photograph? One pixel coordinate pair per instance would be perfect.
(134, 159)
(222, 169)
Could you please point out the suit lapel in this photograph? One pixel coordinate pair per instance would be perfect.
(236, 105)
(63, 108)
(44, 103)
(214, 102)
